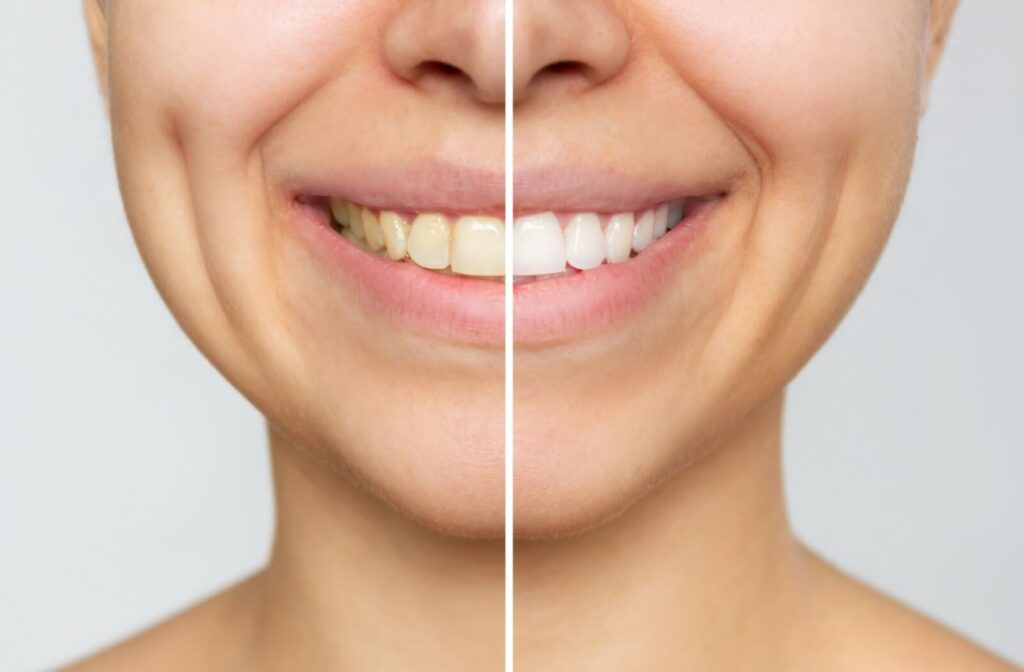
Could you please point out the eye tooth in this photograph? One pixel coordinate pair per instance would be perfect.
(643, 233)
(396, 234)
(618, 237)
(371, 227)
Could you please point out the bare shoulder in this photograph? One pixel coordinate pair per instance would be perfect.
(867, 630)
(208, 636)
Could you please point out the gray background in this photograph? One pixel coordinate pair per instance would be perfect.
(134, 481)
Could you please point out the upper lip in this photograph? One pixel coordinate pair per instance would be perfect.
(450, 188)
(423, 186)
(578, 189)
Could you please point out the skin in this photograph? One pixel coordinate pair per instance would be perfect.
(657, 538)
(203, 136)
(372, 428)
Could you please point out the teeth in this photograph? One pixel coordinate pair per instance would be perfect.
(539, 245)
(478, 246)
(371, 227)
(619, 237)
(584, 241)
(430, 241)
(474, 245)
(396, 234)
(355, 220)
(643, 234)
(660, 221)
(340, 211)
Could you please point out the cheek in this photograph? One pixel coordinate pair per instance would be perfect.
(226, 70)
(798, 76)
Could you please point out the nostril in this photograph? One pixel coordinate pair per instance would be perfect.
(566, 73)
(560, 68)
(440, 69)
(441, 75)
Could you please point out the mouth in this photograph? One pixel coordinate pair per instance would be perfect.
(546, 245)
(442, 274)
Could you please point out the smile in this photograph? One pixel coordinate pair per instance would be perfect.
(438, 269)
(545, 245)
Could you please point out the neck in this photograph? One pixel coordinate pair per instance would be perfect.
(703, 573)
(352, 584)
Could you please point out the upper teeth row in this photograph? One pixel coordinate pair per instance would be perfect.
(542, 246)
(475, 244)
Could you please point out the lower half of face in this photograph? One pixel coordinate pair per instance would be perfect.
(699, 196)
(320, 215)
(786, 130)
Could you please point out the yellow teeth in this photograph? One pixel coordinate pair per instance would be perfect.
(396, 234)
(430, 242)
(467, 245)
(478, 246)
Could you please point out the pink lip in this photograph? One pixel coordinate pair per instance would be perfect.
(423, 186)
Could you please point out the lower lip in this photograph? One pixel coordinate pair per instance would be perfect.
(472, 312)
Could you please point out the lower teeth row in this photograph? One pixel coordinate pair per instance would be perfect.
(474, 245)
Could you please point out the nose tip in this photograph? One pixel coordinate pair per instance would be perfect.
(570, 44)
(455, 47)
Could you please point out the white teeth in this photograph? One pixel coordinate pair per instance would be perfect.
(643, 234)
(660, 221)
(430, 241)
(371, 227)
(396, 234)
(478, 246)
(538, 245)
(619, 237)
(584, 241)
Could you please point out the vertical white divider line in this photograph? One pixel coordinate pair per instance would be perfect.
(509, 343)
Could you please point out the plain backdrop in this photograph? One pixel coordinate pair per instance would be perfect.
(134, 480)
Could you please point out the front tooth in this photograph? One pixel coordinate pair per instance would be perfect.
(355, 220)
(478, 246)
(396, 234)
(675, 212)
(618, 236)
(584, 241)
(538, 245)
(660, 220)
(644, 231)
(371, 226)
(339, 210)
(430, 241)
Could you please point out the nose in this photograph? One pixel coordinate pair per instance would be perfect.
(566, 45)
(450, 47)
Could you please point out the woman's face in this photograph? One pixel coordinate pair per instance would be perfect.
(788, 125)
(796, 121)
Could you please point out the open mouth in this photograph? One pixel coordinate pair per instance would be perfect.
(428, 254)
(546, 245)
